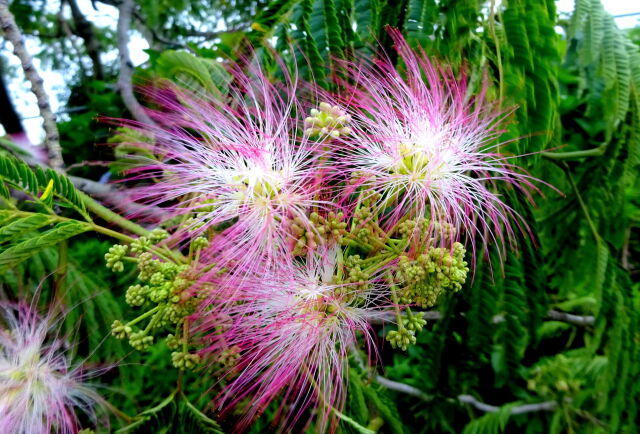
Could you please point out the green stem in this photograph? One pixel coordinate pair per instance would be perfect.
(347, 419)
(585, 210)
(119, 413)
(61, 270)
(7, 204)
(185, 350)
(340, 265)
(396, 302)
(398, 223)
(573, 155)
(167, 254)
(110, 216)
(374, 267)
(153, 322)
(358, 244)
(145, 315)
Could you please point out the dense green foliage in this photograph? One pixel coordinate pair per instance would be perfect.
(505, 340)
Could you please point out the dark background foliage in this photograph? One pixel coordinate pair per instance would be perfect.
(549, 342)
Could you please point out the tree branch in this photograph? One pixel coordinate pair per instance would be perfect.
(403, 388)
(586, 320)
(465, 399)
(84, 29)
(125, 84)
(520, 409)
(12, 34)
(579, 320)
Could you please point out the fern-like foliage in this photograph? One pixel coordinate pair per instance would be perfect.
(580, 94)
(37, 181)
(174, 414)
(23, 250)
(25, 233)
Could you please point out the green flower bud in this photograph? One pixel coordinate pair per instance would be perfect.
(329, 121)
(424, 279)
(140, 340)
(401, 338)
(140, 245)
(114, 257)
(414, 322)
(136, 295)
(183, 360)
(199, 243)
(119, 330)
(173, 342)
(157, 235)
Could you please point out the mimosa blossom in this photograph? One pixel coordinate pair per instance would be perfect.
(292, 328)
(429, 148)
(40, 387)
(238, 166)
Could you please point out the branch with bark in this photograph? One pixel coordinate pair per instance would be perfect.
(12, 34)
(125, 79)
(579, 320)
(84, 29)
(465, 399)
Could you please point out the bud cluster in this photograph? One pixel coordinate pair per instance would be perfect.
(554, 377)
(162, 293)
(319, 230)
(326, 121)
(424, 279)
(356, 275)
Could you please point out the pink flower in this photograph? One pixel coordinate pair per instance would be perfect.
(428, 147)
(291, 328)
(40, 387)
(238, 166)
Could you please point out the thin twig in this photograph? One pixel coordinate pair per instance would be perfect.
(576, 155)
(403, 388)
(466, 399)
(520, 409)
(125, 79)
(12, 34)
(84, 29)
(580, 320)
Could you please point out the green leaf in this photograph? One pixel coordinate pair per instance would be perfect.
(326, 30)
(273, 13)
(22, 226)
(356, 406)
(419, 23)
(34, 181)
(310, 64)
(174, 414)
(191, 71)
(367, 18)
(386, 408)
(491, 423)
(26, 249)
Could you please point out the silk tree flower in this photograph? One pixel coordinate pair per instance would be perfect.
(237, 165)
(428, 148)
(291, 328)
(40, 387)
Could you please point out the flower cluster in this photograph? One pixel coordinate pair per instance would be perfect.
(428, 148)
(298, 238)
(40, 387)
(163, 294)
(291, 328)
